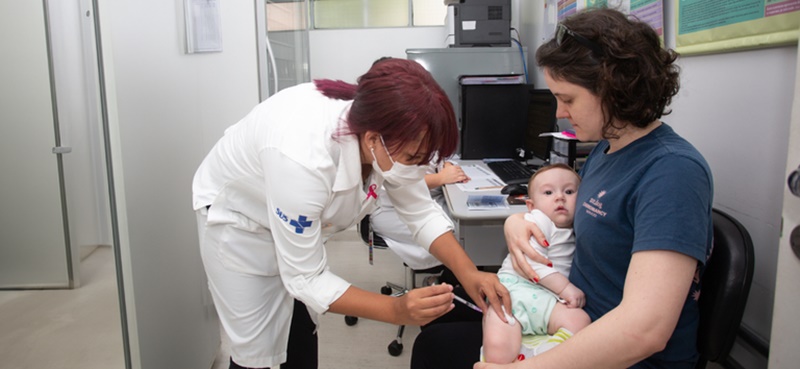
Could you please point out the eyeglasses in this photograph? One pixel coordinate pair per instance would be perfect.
(561, 30)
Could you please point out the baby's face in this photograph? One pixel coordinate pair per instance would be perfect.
(554, 192)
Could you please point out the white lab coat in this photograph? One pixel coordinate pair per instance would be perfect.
(285, 181)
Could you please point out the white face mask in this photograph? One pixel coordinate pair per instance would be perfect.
(399, 174)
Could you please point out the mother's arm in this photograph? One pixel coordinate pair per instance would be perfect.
(655, 290)
(518, 232)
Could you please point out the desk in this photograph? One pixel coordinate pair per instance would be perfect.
(479, 231)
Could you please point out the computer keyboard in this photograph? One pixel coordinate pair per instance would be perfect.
(511, 171)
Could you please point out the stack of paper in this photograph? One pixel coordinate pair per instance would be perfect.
(481, 179)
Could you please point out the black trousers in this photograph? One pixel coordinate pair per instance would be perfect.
(451, 342)
(448, 345)
(303, 348)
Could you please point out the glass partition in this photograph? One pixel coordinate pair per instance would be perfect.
(282, 27)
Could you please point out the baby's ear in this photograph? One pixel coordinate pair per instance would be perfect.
(529, 202)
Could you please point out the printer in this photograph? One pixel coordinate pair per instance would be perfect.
(481, 23)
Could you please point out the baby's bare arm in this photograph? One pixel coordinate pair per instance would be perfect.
(555, 282)
(561, 286)
(573, 296)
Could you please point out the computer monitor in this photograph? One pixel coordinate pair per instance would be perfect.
(493, 120)
(541, 118)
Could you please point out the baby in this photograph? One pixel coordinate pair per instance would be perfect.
(551, 305)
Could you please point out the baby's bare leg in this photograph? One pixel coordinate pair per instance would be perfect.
(501, 341)
(571, 319)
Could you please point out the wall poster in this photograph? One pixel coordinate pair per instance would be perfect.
(709, 26)
(650, 11)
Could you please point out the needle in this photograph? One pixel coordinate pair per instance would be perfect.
(465, 302)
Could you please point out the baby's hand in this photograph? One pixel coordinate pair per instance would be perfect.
(574, 296)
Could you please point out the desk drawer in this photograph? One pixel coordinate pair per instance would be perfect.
(483, 240)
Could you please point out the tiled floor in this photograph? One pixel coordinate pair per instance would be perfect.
(77, 328)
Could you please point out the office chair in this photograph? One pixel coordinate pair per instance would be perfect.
(390, 289)
(725, 287)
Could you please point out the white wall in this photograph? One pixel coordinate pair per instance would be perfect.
(348, 53)
(166, 110)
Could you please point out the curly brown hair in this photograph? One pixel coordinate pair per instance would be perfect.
(634, 77)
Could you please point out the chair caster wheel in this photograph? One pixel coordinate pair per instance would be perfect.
(386, 290)
(350, 320)
(395, 348)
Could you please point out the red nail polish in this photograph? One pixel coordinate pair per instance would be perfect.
(536, 280)
(546, 244)
(550, 264)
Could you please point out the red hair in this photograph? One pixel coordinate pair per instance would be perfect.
(399, 99)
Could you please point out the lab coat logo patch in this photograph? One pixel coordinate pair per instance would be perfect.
(299, 224)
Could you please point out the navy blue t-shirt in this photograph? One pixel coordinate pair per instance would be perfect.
(654, 194)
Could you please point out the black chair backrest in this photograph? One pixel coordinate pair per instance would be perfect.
(725, 288)
(363, 230)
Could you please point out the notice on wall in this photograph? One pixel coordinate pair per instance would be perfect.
(649, 11)
(203, 26)
(709, 26)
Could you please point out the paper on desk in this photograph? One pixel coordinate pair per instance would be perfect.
(481, 179)
(475, 171)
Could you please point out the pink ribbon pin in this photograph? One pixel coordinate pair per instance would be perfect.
(371, 192)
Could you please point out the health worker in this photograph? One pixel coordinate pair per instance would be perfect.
(303, 165)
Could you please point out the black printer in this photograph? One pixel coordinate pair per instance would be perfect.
(482, 23)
